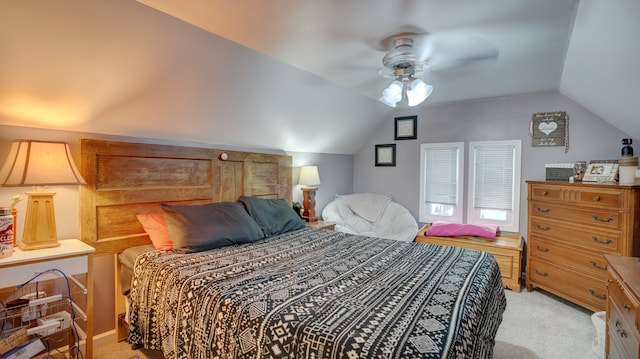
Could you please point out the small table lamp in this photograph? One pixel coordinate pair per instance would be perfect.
(39, 163)
(309, 177)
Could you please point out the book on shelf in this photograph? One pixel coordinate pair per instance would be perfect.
(25, 351)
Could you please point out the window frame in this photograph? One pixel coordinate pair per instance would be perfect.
(423, 215)
(513, 218)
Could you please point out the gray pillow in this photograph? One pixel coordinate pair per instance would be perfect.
(274, 216)
(195, 228)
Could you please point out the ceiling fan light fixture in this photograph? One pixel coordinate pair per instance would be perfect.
(387, 102)
(417, 92)
(392, 94)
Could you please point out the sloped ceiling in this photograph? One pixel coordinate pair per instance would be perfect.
(293, 75)
(601, 68)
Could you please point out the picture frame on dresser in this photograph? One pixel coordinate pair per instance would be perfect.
(601, 172)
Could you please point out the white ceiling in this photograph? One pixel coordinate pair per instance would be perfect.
(295, 75)
(340, 40)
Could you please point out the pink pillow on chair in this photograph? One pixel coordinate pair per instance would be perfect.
(156, 228)
(447, 229)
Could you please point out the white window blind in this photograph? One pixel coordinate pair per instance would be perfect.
(494, 166)
(441, 177)
(494, 183)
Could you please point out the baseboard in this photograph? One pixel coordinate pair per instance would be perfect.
(104, 338)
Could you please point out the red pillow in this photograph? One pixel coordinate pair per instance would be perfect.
(446, 229)
(156, 228)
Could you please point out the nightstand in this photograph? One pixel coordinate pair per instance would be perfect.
(72, 257)
(322, 224)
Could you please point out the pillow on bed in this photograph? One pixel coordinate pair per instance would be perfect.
(447, 229)
(274, 216)
(153, 224)
(195, 228)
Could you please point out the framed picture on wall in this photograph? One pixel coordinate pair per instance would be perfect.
(406, 128)
(386, 155)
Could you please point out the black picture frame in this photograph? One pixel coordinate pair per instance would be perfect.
(386, 155)
(406, 128)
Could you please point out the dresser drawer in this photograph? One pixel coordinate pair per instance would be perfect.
(621, 331)
(600, 197)
(596, 240)
(579, 289)
(627, 307)
(581, 261)
(615, 349)
(589, 216)
(546, 193)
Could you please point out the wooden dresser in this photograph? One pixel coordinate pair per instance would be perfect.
(623, 307)
(571, 226)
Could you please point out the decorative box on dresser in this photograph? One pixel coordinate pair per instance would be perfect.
(570, 228)
(623, 307)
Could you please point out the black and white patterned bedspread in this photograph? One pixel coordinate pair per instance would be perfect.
(318, 294)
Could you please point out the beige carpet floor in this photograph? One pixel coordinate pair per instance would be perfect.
(535, 325)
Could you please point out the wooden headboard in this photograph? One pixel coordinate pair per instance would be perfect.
(125, 179)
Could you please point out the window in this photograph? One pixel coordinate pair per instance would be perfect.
(494, 183)
(441, 174)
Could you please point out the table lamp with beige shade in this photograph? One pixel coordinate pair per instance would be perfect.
(39, 164)
(309, 178)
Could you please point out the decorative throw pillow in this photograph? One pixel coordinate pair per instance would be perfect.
(447, 229)
(195, 228)
(153, 224)
(274, 216)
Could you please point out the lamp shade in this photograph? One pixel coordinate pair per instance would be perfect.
(309, 176)
(39, 163)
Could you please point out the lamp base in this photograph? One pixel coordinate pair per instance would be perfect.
(309, 203)
(40, 222)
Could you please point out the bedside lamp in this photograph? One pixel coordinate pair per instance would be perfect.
(38, 164)
(309, 177)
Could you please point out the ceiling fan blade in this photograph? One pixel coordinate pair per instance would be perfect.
(451, 51)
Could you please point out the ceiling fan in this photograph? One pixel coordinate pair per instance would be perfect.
(411, 54)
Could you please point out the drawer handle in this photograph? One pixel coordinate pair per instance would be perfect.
(599, 296)
(545, 228)
(542, 249)
(619, 329)
(598, 266)
(597, 218)
(600, 241)
(544, 193)
(543, 210)
(596, 198)
(540, 273)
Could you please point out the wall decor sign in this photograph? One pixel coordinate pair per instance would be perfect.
(550, 129)
(386, 155)
(406, 128)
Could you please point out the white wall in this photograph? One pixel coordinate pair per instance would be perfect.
(590, 138)
(336, 176)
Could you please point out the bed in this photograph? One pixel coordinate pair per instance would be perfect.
(301, 292)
